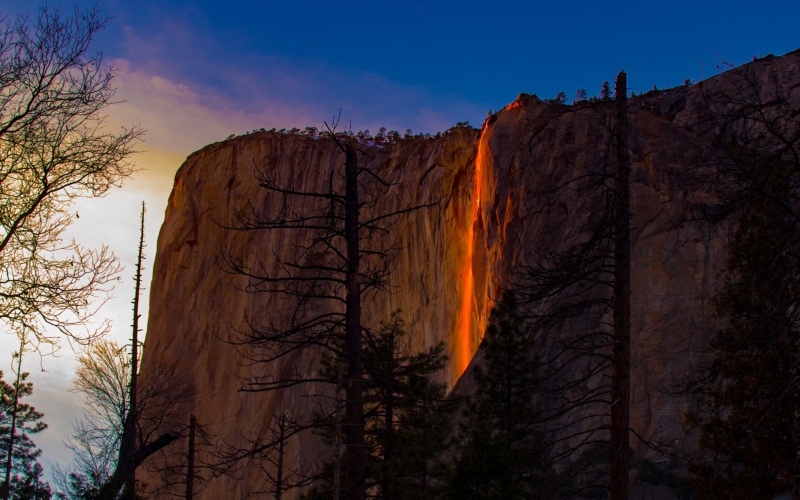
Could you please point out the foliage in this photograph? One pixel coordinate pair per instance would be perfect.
(747, 392)
(408, 419)
(501, 456)
(25, 470)
(54, 149)
(605, 91)
(747, 410)
(29, 484)
(101, 379)
(424, 428)
(580, 95)
(584, 476)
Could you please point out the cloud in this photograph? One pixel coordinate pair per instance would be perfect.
(183, 114)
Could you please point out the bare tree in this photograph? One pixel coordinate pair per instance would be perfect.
(184, 475)
(746, 388)
(54, 148)
(570, 294)
(129, 434)
(619, 439)
(127, 419)
(346, 255)
(103, 378)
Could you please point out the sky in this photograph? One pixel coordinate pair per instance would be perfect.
(192, 73)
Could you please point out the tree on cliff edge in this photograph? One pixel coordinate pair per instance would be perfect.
(344, 253)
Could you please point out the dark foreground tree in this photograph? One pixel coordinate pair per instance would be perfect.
(501, 455)
(102, 378)
(577, 299)
(29, 484)
(128, 417)
(54, 148)
(748, 414)
(18, 420)
(425, 426)
(405, 410)
(747, 393)
(407, 417)
(344, 253)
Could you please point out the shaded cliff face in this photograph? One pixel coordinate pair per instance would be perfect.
(497, 208)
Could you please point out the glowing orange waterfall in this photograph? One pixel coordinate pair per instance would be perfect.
(468, 277)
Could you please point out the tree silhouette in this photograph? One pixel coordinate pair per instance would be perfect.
(568, 295)
(746, 391)
(54, 148)
(501, 457)
(346, 254)
(18, 453)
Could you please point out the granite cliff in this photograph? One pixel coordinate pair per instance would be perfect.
(496, 209)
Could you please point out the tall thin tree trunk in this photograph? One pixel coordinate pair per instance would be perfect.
(279, 475)
(129, 432)
(190, 467)
(354, 406)
(621, 378)
(337, 466)
(388, 426)
(10, 457)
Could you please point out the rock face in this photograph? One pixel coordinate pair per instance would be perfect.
(497, 209)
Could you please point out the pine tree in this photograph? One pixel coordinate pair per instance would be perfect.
(29, 484)
(406, 414)
(501, 456)
(425, 427)
(605, 91)
(747, 392)
(748, 415)
(23, 475)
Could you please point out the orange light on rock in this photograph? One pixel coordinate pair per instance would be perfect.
(467, 275)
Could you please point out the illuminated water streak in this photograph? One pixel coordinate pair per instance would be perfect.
(466, 309)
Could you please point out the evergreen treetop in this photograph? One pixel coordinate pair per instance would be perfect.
(25, 471)
(606, 93)
(501, 455)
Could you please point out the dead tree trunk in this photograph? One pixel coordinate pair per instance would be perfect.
(621, 377)
(190, 459)
(281, 444)
(354, 406)
(133, 452)
(129, 432)
(388, 425)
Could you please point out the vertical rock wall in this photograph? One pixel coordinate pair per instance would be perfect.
(497, 208)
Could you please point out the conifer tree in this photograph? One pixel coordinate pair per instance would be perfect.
(425, 427)
(29, 485)
(406, 414)
(748, 420)
(605, 91)
(18, 453)
(747, 393)
(346, 229)
(501, 456)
